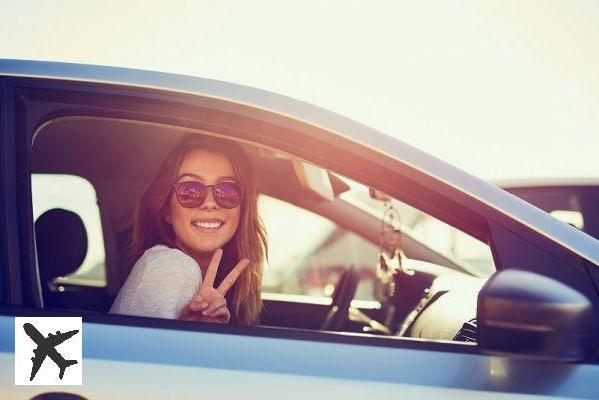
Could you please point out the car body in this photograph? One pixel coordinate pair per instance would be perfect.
(111, 125)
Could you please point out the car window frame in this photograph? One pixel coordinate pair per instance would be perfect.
(5, 128)
(29, 87)
(10, 188)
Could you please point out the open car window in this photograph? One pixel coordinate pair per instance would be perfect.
(323, 231)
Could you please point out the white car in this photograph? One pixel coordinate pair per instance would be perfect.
(341, 319)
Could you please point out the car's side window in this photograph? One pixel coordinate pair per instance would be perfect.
(62, 203)
(311, 248)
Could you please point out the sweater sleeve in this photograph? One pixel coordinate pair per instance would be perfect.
(160, 284)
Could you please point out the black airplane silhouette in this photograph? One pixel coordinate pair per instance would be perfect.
(46, 347)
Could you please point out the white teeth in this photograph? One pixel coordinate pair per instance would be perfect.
(208, 225)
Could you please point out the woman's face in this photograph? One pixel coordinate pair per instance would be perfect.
(200, 231)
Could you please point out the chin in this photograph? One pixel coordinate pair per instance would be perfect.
(209, 246)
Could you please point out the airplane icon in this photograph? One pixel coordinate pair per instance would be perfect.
(46, 347)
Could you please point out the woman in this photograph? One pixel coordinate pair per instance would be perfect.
(198, 243)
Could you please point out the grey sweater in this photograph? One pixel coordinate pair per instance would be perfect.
(161, 283)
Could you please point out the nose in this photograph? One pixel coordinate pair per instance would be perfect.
(209, 202)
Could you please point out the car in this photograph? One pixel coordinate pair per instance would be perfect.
(572, 200)
(569, 199)
(361, 297)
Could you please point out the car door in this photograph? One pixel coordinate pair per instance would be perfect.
(150, 358)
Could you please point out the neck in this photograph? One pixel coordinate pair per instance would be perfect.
(203, 259)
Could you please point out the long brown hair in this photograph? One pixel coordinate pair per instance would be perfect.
(150, 227)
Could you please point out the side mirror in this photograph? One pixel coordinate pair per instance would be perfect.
(525, 314)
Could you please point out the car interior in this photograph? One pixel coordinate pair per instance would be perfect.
(420, 292)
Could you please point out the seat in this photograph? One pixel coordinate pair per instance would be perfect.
(61, 242)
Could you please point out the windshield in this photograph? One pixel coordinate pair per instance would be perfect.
(473, 254)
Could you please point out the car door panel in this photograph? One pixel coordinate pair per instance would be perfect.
(194, 363)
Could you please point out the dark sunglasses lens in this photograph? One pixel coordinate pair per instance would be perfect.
(191, 194)
(227, 194)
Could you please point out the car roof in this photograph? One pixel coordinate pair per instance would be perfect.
(546, 182)
(483, 191)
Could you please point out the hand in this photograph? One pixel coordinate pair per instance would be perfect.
(209, 304)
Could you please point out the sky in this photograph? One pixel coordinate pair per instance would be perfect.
(502, 89)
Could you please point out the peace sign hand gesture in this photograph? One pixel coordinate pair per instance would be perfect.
(209, 304)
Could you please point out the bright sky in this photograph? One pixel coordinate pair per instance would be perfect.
(502, 89)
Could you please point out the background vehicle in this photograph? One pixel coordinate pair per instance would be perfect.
(112, 126)
(572, 200)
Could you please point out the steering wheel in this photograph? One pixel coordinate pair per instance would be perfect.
(342, 296)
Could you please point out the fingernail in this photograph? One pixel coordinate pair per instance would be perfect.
(205, 313)
(204, 304)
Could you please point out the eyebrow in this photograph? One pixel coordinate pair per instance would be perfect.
(201, 179)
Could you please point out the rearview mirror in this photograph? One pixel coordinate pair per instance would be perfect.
(526, 314)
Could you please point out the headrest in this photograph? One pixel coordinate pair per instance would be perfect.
(61, 243)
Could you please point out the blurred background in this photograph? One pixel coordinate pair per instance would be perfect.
(501, 89)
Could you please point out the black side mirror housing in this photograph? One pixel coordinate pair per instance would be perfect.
(521, 313)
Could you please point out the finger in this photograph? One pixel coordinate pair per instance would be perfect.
(200, 296)
(222, 315)
(212, 268)
(215, 305)
(230, 279)
(198, 305)
(187, 314)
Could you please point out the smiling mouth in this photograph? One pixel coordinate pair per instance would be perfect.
(208, 225)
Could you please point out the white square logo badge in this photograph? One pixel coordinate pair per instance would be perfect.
(48, 351)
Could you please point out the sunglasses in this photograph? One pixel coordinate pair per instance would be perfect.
(192, 194)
